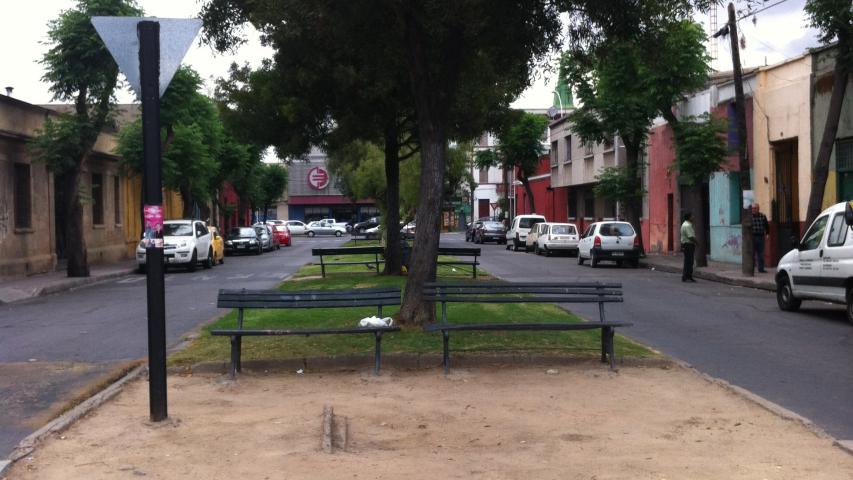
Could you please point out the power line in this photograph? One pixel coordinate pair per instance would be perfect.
(749, 14)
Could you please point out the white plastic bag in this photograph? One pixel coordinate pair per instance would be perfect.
(374, 321)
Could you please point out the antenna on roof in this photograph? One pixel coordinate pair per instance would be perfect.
(9, 91)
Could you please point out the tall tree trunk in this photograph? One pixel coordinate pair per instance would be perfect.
(393, 250)
(634, 203)
(526, 182)
(186, 196)
(75, 238)
(827, 142)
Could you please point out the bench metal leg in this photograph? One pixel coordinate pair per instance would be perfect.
(475, 268)
(236, 344)
(609, 333)
(378, 353)
(603, 344)
(322, 268)
(446, 359)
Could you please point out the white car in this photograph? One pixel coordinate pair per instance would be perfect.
(372, 232)
(186, 242)
(516, 236)
(296, 227)
(610, 240)
(821, 267)
(324, 227)
(553, 237)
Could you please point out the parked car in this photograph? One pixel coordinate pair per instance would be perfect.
(553, 237)
(324, 228)
(373, 232)
(469, 230)
(282, 234)
(243, 240)
(218, 244)
(371, 222)
(408, 230)
(346, 226)
(821, 265)
(296, 227)
(185, 242)
(269, 241)
(520, 226)
(490, 231)
(610, 240)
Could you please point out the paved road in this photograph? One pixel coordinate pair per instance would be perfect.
(801, 361)
(52, 347)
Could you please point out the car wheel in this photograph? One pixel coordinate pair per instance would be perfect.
(310, 234)
(619, 263)
(193, 262)
(786, 300)
(536, 250)
(278, 246)
(850, 304)
(593, 262)
(260, 250)
(580, 259)
(222, 260)
(337, 233)
(634, 263)
(547, 252)
(515, 244)
(209, 262)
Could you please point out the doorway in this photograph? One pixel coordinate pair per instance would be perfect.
(786, 204)
(670, 224)
(483, 207)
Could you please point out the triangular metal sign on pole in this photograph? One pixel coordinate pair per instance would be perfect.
(120, 36)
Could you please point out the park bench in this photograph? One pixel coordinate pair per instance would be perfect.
(341, 251)
(460, 252)
(493, 292)
(279, 299)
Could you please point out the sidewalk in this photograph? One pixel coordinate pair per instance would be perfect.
(729, 273)
(14, 289)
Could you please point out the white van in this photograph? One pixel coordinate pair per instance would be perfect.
(518, 229)
(821, 266)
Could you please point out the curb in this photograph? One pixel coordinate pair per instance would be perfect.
(713, 277)
(28, 444)
(70, 284)
(772, 407)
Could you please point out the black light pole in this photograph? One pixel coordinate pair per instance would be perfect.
(149, 71)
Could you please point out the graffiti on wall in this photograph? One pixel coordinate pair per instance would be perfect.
(732, 244)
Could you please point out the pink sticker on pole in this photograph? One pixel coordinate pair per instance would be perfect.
(153, 215)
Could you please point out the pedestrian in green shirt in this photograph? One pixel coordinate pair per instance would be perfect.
(688, 247)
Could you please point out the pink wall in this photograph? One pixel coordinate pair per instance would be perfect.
(659, 230)
(553, 204)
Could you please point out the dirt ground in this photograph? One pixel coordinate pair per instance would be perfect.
(567, 422)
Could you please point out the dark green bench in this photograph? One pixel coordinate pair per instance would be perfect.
(340, 251)
(278, 299)
(492, 292)
(460, 252)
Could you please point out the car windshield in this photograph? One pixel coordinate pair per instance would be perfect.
(177, 230)
(280, 228)
(243, 232)
(492, 225)
(261, 230)
(615, 230)
(563, 230)
(529, 222)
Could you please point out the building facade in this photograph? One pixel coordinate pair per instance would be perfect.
(312, 193)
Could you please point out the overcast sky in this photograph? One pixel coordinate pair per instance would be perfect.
(779, 33)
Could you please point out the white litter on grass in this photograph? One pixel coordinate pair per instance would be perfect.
(300, 371)
(374, 321)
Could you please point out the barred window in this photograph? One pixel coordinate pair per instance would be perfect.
(97, 199)
(117, 199)
(844, 154)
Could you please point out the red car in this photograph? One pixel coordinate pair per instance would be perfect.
(282, 233)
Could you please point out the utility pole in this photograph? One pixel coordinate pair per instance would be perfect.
(747, 260)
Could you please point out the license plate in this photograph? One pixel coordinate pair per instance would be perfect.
(618, 254)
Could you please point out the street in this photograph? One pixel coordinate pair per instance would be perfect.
(802, 361)
(52, 347)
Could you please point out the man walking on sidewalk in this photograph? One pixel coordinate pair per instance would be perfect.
(760, 231)
(688, 247)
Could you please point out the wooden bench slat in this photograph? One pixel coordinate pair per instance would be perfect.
(554, 299)
(515, 290)
(436, 327)
(312, 303)
(347, 251)
(524, 284)
(300, 331)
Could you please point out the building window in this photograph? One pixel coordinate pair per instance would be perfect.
(23, 196)
(844, 154)
(484, 175)
(117, 200)
(573, 205)
(97, 199)
(555, 153)
(569, 149)
(587, 149)
(589, 206)
(735, 200)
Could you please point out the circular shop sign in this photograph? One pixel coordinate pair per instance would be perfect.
(318, 178)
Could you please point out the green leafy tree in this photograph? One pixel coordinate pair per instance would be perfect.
(271, 185)
(834, 20)
(192, 141)
(459, 61)
(239, 165)
(80, 70)
(623, 85)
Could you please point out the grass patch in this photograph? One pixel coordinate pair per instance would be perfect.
(410, 340)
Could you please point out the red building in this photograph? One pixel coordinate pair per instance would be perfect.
(550, 202)
(229, 213)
